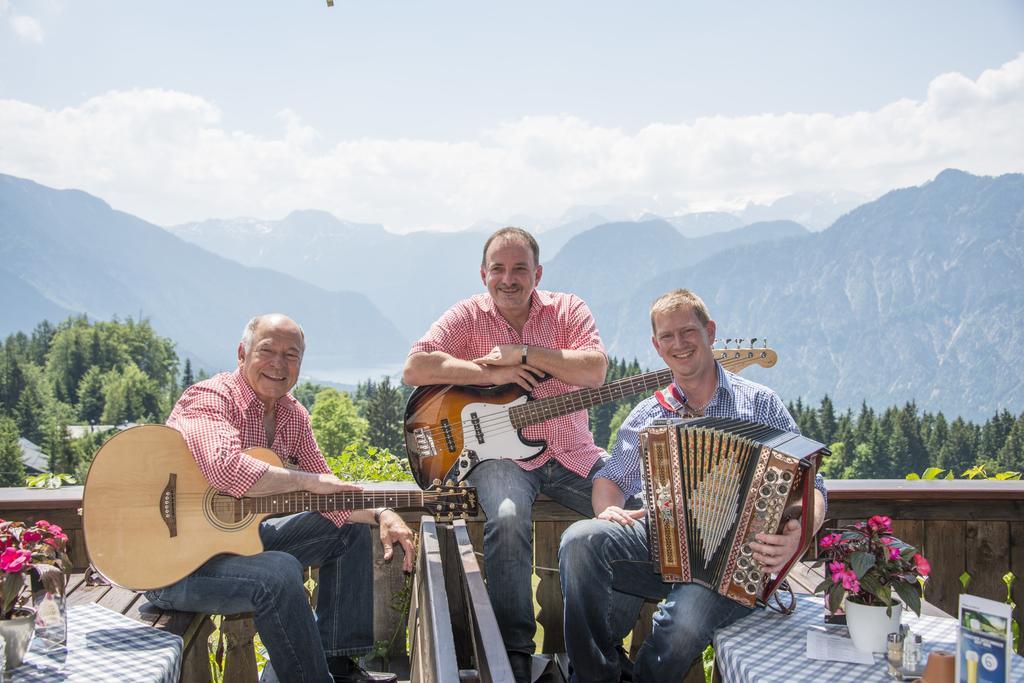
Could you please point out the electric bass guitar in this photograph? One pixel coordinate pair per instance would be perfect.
(150, 517)
(450, 429)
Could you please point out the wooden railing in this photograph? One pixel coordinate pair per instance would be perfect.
(452, 631)
(963, 527)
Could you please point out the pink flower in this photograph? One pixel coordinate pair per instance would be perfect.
(56, 541)
(887, 540)
(42, 524)
(880, 523)
(14, 560)
(921, 565)
(829, 540)
(894, 553)
(850, 582)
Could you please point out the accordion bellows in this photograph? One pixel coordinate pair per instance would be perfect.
(712, 484)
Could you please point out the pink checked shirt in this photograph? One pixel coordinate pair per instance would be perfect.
(472, 327)
(221, 417)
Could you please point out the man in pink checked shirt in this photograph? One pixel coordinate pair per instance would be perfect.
(518, 333)
(229, 413)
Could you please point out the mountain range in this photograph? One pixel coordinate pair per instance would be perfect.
(64, 252)
(914, 296)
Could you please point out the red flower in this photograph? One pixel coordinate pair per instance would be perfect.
(829, 540)
(29, 536)
(921, 565)
(880, 523)
(850, 582)
(14, 560)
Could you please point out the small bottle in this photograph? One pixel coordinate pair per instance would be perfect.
(894, 655)
(912, 647)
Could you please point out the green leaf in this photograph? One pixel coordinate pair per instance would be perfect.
(1006, 476)
(861, 562)
(965, 579)
(949, 475)
(835, 597)
(978, 471)
(910, 594)
(820, 588)
(913, 476)
(932, 473)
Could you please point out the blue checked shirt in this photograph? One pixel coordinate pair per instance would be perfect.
(735, 397)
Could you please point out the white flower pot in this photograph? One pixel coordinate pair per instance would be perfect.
(869, 626)
(16, 634)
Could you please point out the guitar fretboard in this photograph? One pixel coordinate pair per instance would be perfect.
(543, 409)
(303, 501)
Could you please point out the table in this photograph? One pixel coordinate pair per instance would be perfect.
(767, 646)
(105, 645)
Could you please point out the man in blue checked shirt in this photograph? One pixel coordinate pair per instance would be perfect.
(604, 564)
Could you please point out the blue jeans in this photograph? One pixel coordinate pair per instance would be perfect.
(506, 493)
(606, 575)
(270, 585)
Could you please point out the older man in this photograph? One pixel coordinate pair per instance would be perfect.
(603, 562)
(231, 412)
(518, 333)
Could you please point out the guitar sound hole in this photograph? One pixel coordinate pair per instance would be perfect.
(226, 512)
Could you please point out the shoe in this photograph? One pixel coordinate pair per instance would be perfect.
(347, 670)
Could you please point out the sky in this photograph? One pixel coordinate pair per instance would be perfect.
(444, 114)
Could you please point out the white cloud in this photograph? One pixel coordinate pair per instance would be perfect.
(168, 157)
(26, 27)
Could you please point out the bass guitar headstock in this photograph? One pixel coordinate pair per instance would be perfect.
(450, 500)
(738, 356)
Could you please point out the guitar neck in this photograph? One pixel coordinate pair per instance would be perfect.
(543, 409)
(303, 501)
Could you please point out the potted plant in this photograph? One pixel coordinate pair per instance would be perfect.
(36, 551)
(869, 567)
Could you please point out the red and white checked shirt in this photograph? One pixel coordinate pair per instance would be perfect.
(222, 416)
(473, 326)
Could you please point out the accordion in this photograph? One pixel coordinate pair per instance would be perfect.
(711, 485)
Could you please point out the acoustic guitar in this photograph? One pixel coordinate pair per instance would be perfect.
(150, 517)
(450, 429)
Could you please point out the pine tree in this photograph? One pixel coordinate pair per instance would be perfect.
(1011, 456)
(187, 379)
(12, 470)
(993, 435)
(827, 421)
(959, 451)
(39, 344)
(90, 396)
(384, 410)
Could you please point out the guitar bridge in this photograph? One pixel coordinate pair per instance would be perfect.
(169, 505)
(424, 443)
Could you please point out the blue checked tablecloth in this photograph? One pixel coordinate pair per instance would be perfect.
(103, 645)
(767, 646)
